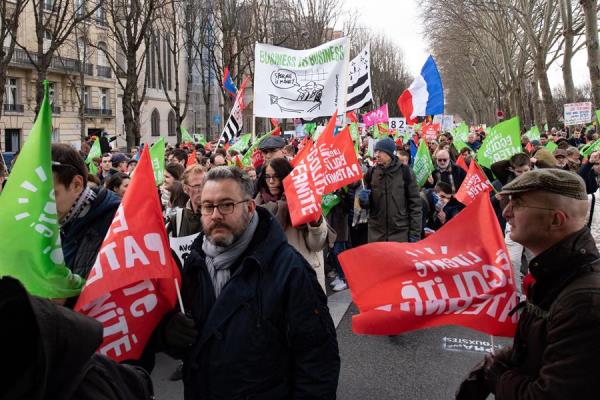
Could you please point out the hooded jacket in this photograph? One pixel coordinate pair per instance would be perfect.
(51, 353)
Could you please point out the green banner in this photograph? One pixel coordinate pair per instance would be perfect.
(551, 146)
(30, 249)
(242, 143)
(533, 133)
(157, 155)
(503, 141)
(200, 139)
(589, 148)
(95, 152)
(423, 165)
(461, 132)
(355, 136)
(459, 144)
(247, 158)
(185, 136)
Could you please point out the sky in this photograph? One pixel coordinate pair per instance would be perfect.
(400, 21)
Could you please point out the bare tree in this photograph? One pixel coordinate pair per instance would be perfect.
(129, 25)
(54, 24)
(590, 10)
(10, 17)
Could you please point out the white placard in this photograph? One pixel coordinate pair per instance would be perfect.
(578, 113)
(182, 246)
(301, 83)
(398, 125)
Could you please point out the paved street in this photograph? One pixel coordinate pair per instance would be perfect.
(426, 364)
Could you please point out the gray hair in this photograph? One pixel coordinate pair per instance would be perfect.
(234, 173)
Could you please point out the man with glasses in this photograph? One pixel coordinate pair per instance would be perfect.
(555, 353)
(186, 221)
(259, 325)
(447, 171)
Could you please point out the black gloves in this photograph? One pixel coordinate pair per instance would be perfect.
(180, 333)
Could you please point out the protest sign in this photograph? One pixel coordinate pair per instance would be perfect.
(379, 115)
(578, 113)
(398, 125)
(181, 247)
(157, 155)
(501, 143)
(440, 280)
(474, 184)
(431, 131)
(422, 165)
(301, 83)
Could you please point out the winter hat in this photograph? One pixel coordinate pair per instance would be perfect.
(386, 145)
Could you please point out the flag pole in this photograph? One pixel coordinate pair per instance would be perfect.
(253, 127)
(493, 347)
(179, 296)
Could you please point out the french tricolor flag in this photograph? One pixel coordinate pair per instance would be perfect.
(425, 96)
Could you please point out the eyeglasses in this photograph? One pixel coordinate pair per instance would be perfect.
(442, 159)
(517, 203)
(269, 177)
(195, 188)
(224, 208)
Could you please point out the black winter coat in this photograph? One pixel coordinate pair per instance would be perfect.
(82, 237)
(269, 335)
(48, 353)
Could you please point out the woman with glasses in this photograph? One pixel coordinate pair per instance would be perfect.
(308, 239)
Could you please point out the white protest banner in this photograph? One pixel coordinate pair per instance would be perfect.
(578, 113)
(181, 247)
(446, 121)
(300, 83)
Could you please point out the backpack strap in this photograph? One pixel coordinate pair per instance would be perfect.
(178, 218)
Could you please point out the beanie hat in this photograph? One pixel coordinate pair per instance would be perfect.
(386, 145)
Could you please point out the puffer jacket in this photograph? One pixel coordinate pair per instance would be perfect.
(555, 354)
(395, 211)
(269, 334)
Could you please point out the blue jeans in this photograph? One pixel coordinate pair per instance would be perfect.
(338, 247)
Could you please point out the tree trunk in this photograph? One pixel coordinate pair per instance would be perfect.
(547, 100)
(536, 103)
(566, 15)
(591, 37)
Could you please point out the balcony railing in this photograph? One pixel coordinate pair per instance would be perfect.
(104, 71)
(60, 63)
(98, 112)
(16, 108)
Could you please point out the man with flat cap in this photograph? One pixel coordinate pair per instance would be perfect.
(271, 147)
(555, 352)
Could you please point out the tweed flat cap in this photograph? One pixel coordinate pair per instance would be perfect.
(550, 180)
(273, 142)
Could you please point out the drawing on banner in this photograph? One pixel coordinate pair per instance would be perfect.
(300, 83)
(307, 97)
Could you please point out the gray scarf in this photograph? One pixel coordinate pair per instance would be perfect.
(81, 206)
(219, 259)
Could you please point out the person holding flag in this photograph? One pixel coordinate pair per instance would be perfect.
(392, 197)
(555, 352)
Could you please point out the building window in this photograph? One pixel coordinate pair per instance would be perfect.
(10, 91)
(81, 49)
(55, 135)
(104, 99)
(172, 124)
(48, 5)
(101, 15)
(155, 123)
(168, 57)
(86, 97)
(102, 60)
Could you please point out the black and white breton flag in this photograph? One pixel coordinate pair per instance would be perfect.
(359, 82)
(233, 127)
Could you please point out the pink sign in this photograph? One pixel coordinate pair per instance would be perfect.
(377, 116)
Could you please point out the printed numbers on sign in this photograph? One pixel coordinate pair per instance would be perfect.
(397, 123)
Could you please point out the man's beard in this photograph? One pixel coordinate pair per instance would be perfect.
(230, 237)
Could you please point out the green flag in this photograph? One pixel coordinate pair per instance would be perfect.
(30, 249)
(242, 143)
(247, 158)
(355, 136)
(551, 146)
(589, 148)
(461, 132)
(533, 133)
(546, 127)
(503, 141)
(459, 144)
(95, 152)
(200, 139)
(328, 202)
(185, 136)
(598, 116)
(157, 155)
(423, 165)
(309, 128)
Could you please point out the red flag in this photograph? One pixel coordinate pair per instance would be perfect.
(474, 184)
(460, 275)
(307, 144)
(274, 122)
(405, 106)
(132, 283)
(460, 162)
(351, 117)
(191, 160)
(257, 158)
(430, 131)
(339, 159)
(529, 147)
(276, 131)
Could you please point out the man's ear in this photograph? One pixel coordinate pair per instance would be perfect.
(77, 183)
(251, 206)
